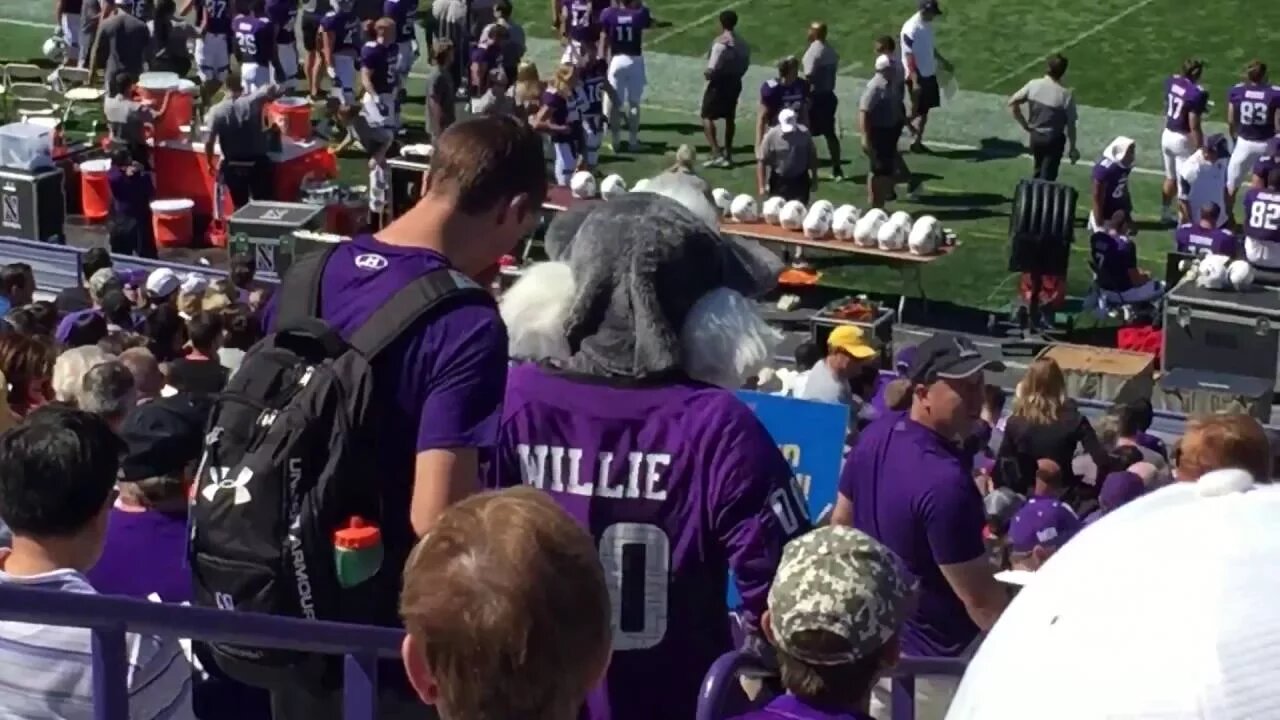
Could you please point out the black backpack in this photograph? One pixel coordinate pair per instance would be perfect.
(290, 458)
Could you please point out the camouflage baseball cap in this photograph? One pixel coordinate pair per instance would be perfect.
(842, 581)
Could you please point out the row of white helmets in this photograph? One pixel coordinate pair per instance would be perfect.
(875, 228)
(1219, 272)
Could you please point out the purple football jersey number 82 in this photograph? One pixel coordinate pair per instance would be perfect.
(1265, 215)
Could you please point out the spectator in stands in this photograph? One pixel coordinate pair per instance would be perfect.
(441, 390)
(132, 189)
(166, 333)
(200, 371)
(617, 398)
(119, 313)
(1044, 424)
(1038, 530)
(69, 371)
(1144, 416)
(162, 287)
(1049, 480)
(135, 286)
(57, 474)
(1217, 442)
(908, 484)
(1129, 419)
(848, 351)
(1151, 477)
(107, 391)
(27, 363)
(148, 381)
(543, 644)
(993, 400)
(220, 294)
(241, 276)
(239, 333)
(16, 287)
(127, 117)
(787, 159)
(86, 328)
(835, 611)
(1118, 488)
(77, 298)
(1000, 506)
(191, 294)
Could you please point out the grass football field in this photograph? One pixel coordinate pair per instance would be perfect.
(1120, 52)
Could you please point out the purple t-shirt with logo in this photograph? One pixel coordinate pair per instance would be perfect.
(1255, 110)
(580, 20)
(1114, 179)
(1202, 241)
(283, 14)
(438, 386)
(1182, 98)
(913, 491)
(776, 95)
(625, 28)
(1113, 257)
(144, 553)
(1262, 215)
(790, 707)
(383, 64)
(679, 483)
(131, 194)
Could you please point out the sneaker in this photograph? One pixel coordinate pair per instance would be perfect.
(717, 162)
(919, 147)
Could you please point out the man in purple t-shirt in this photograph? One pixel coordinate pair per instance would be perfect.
(1206, 237)
(908, 484)
(835, 610)
(438, 387)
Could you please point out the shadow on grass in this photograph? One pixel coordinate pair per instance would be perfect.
(962, 200)
(684, 128)
(974, 213)
(988, 149)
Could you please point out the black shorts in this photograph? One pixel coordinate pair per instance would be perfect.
(310, 32)
(720, 99)
(926, 94)
(822, 114)
(882, 150)
(796, 188)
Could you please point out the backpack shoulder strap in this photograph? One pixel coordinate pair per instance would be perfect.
(300, 288)
(410, 303)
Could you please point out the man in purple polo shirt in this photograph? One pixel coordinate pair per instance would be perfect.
(441, 383)
(908, 484)
(835, 610)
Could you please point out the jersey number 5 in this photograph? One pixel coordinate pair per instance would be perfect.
(637, 568)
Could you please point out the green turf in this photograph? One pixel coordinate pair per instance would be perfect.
(997, 46)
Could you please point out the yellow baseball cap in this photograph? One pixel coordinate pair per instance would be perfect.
(851, 339)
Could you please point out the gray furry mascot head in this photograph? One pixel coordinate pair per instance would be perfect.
(643, 286)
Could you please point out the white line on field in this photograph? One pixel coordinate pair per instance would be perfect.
(1073, 42)
(844, 69)
(694, 23)
(27, 23)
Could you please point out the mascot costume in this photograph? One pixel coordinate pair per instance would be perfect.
(628, 347)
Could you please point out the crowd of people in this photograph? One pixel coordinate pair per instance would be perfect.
(569, 479)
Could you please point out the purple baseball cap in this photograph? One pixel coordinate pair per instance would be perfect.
(903, 358)
(1042, 521)
(1119, 488)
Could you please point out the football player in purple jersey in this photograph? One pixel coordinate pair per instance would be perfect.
(578, 24)
(405, 15)
(1111, 182)
(1266, 163)
(594, 93)
(787, 90)
(283, 16)
(630, 422)
(213, 43)
(1262, 223)
(1253, 119)
(380, 74)
(622, 37)
(255, 44)
(1185, 105)
(340, 40)
(1208, 236)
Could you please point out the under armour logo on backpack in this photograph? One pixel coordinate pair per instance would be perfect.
(219, 481)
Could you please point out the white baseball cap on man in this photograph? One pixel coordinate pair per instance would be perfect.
(788, 120)
(1164, 608)
(883, 63)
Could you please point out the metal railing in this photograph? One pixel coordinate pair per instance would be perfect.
(109, 618)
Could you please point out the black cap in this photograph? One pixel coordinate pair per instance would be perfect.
(947, 356)
(930, 6)
(163, 436)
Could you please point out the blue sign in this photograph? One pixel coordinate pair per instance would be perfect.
(811, 437)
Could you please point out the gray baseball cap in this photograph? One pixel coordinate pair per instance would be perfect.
(842, 581)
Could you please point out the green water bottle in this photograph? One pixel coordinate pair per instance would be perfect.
(357, 552)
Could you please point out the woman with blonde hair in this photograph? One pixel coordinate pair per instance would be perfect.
(686, 157)
(553, 118)
(527, 90)
(1045, 425)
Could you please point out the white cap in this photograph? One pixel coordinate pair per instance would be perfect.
(883, 63)
(194, 284)
(787, 120)
(162, 282)
(1164, 608)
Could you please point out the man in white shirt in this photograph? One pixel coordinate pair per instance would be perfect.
(921, 59)
(1202, 179)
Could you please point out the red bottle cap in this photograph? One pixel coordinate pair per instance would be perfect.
(357, 535)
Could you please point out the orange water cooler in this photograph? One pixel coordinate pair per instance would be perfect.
(173, 222)
(95, 191)
(154, 88)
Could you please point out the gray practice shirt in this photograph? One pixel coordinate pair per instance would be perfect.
(823, 385)
(788, 154)
(237, 124)
(127, 42)
(820, 64)
(440, 88)
(1051, 108)
(879, 103)
(730, 56)
(125, 118)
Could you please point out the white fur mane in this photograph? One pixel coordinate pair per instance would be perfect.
(534, 310)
